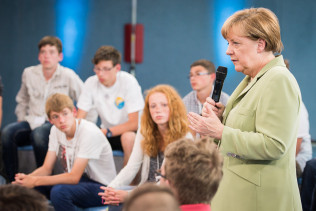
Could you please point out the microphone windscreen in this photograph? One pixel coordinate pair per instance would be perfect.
(221, 73)
(218, 84)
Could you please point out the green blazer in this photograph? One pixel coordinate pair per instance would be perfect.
(258, 143)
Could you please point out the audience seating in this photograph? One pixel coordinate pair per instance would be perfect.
(103, 208)
(27, 162)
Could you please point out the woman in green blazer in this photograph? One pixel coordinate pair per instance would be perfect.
(257, 130)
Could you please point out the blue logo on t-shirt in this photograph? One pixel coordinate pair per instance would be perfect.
(119, 102)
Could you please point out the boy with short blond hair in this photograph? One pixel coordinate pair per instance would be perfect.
(84, 154)
(38, 83)
(193, 170)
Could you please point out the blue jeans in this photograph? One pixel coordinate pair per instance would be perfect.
(308, 196)
(19, 134)
(40, 139)
(14, 135)
(116, 208)
(67, 197)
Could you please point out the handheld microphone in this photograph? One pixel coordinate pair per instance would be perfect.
(219, 81)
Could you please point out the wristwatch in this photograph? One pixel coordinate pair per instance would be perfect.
(108, 133)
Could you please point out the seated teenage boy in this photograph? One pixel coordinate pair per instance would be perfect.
(117, 97)
(38, 82)
(193, 170)
(84, 153)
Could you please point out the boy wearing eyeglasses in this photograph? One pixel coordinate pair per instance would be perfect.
(117, 97)
(202, 77)
(84, 154)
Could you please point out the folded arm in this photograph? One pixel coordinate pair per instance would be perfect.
(130, 125)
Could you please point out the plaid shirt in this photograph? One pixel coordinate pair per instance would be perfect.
(34, 91)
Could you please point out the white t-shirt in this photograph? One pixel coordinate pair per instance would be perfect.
(305, 153)
(113, 104)
(90, 143)
(137, 160)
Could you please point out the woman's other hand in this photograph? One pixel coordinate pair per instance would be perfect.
(206, 126)
(210, 104)
(112, 196)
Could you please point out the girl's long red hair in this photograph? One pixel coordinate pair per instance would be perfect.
(177, 124)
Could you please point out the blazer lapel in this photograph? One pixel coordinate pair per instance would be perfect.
(241, 91)
(234, 96)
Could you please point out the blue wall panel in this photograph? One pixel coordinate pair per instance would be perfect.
(176, 33)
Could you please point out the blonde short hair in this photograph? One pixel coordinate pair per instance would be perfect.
(256, 23)
(194, 169)
(57, 102)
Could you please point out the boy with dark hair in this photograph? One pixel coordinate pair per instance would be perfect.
(16, 197)
(38, 83)
(52, 41)
(84, 154)
(117, 97)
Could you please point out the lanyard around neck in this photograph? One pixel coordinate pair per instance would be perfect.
(73, 153)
